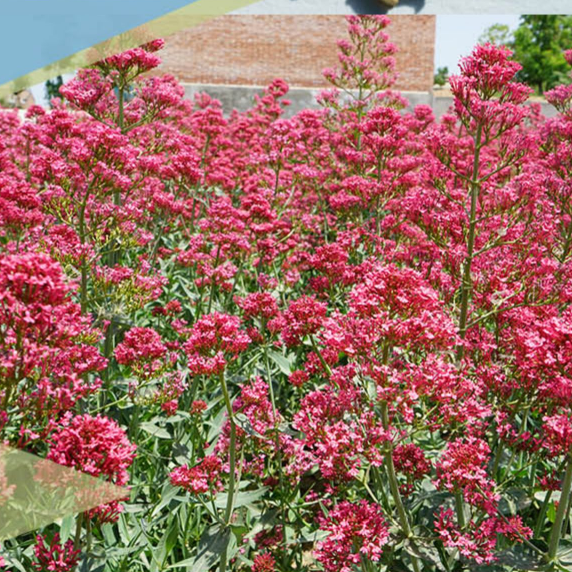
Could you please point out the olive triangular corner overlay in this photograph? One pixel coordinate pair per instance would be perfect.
(40, 40)
(35, 33)
(35, 492)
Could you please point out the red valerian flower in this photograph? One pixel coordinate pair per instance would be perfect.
(479, 540)
(140, 344)
(410, 460)
(96, 446)
(214, 339)
(264, 562)
(258, 305)
(198, 407)
(142, 349)
(55, 557)
(462, 467)
(340, 430)
(558, 434)
(201, 478)
(43, 349)
(475, 544)
(355, 529)
(303, 317)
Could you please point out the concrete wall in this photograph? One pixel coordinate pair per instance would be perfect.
(442, 104)
(242, 98)
(409, 7)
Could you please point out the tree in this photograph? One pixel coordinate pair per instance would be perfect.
(52, 87)
(441, 76)
(538, 45)
(497, 34)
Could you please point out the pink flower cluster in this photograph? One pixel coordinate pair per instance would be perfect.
(55, 557)
(212, 341)
(330, 314)
(462, 468)
(356, 530)
(202, 478)
(98, 447)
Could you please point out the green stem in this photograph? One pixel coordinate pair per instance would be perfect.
(212, 289)
(83, 288)
(542, 515)
(223, 558)
(514, 453)
(320, 356)
(78, 526)
(82, 237)
(460, 509)
(107, 352)
(394, 486)
(380, 488)
(561, 511)
(121, 105)
(276, 435)
(232, 466)
(120, 122)
(466, 283)
(88, 535)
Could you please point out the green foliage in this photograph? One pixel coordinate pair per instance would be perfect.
(52, 87)
(497, 34)
(538, 45)
(442, 76)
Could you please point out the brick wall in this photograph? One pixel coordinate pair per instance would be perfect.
(255, 49)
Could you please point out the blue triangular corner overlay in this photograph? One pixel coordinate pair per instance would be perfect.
(35, 33)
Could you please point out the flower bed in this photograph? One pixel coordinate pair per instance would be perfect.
(340, 341)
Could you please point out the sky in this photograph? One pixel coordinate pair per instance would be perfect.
(456, 35)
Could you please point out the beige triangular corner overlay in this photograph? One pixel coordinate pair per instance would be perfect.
(183, 18)
(35, 492)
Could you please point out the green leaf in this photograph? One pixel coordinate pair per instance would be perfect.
(166, 545)
(281, 361)
(242, 498)
(244, 423)
(129, 528)
(16, 564)
(167, 495)
(172, 537)
(564, 553)
(90, 564)
(425, 552)
(134, 508)
(154, 430)
(66, 528)
(541, 495)
(521, 560)
(178, 418)
(108, 535)
(118, 552)
(515, 501)
(211, 546)
(551, 512)
(216, 426)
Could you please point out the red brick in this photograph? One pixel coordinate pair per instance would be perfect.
(255, 49)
